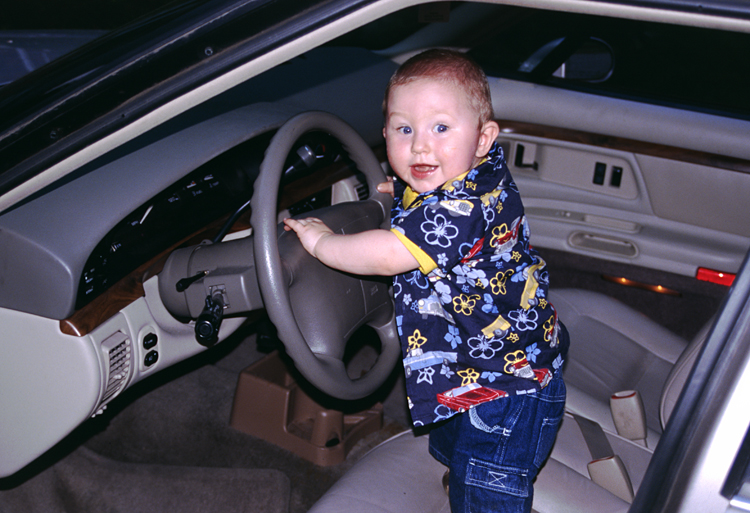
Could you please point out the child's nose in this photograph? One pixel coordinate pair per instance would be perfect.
(420, 143)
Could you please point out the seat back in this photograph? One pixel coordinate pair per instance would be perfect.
(614, 348)
(679, 374)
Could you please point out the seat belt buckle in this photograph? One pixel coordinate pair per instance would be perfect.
(610, 474)
(629, 415)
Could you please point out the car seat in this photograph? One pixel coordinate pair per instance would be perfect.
(400, 475)
(614, 348)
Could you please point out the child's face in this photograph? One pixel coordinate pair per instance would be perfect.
(432, 133)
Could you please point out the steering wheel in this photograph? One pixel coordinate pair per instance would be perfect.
(315, 308)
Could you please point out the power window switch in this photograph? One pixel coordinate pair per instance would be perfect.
(616, 178)
(600, 170)
(150, 341)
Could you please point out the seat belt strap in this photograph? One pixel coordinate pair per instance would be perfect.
(595, 438)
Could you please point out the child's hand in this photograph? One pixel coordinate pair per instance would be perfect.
(387, 186)
(310, 231)
(371, 252)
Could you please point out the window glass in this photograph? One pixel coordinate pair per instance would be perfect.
(687, 67)
(674, 65)
(36, 32)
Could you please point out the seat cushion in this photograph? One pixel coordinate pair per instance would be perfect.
(400, 475)
(396, 476)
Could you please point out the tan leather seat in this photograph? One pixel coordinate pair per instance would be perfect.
(615, 348)
(570, 446)
(400, 475)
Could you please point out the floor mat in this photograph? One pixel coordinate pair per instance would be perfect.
(86, 481)
(168, 439)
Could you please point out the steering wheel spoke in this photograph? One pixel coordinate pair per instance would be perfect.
(316, 309)
(350, 301)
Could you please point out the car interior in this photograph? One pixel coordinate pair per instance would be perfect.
(168, 345)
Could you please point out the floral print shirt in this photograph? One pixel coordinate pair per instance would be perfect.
(474, 321)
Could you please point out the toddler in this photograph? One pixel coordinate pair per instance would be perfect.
(478, 335)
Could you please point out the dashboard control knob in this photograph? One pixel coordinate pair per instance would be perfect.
(208, 322)
(184, 283)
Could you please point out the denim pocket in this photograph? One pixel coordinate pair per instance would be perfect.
(497, 417)
(498, 478)
(547, 435)
(552, 409)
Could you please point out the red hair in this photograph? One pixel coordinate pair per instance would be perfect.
(449, 66)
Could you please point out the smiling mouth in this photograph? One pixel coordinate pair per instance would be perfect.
(420, 171)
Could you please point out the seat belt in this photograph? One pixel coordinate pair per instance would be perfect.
(596, 440)
(605, 468)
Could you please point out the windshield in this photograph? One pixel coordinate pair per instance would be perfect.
(36, 32)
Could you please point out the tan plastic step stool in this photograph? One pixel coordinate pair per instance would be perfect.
(269, 404)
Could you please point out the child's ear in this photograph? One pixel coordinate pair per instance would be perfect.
(487, 135)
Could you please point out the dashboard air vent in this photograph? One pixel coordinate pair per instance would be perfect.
(119, 360)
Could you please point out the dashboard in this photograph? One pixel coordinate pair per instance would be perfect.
(203, 198)
(72, 241)
(193, 202)
(79, 285)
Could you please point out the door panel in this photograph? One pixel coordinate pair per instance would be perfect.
(636, 202)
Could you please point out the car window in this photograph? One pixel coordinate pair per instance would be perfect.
(36, 32)
(689, 67)
(686, 67)
(23, 51)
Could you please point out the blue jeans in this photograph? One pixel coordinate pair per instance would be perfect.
(495, 450)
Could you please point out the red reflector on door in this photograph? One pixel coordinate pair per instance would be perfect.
(719, 277)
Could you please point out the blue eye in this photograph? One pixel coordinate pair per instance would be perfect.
(406, 130)
(441, 129)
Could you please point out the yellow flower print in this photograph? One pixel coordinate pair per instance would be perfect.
(516, 256)
(511, 359)
(498, 282)
(471, 185)
(543, 303)
(469, 376)
(498, 233)
(513, 337)
(416, 340)
(465, 304)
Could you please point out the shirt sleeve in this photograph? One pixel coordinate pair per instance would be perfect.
(426, 263)
(440, 233)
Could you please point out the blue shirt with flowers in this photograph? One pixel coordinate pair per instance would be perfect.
(474, 321)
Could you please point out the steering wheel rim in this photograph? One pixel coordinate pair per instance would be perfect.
(325, 371)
